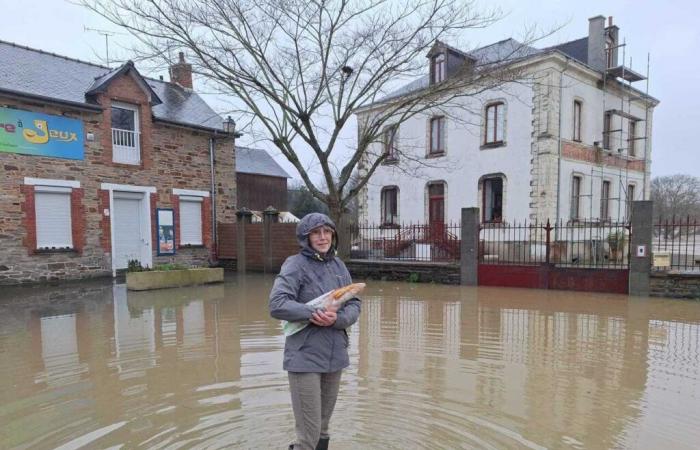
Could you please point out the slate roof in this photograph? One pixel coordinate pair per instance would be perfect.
(32, 72)
(258, 161)
(577, 49)
(498, 52)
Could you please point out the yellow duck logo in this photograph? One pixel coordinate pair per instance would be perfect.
(38, 136)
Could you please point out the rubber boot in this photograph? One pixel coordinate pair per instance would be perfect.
(322, 444)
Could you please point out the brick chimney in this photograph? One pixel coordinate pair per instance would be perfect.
(596, 43)
(181, 72)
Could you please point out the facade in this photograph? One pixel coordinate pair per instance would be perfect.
(569, 140)
(102, 166)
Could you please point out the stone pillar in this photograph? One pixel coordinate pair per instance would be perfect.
(270, 216)
(642, 231)
(469, 251)
(244, 217)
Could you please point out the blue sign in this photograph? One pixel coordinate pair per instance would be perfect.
(37, 134)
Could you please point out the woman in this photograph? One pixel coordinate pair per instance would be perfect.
(315, 356)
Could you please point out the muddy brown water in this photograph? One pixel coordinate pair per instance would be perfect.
(440, 367)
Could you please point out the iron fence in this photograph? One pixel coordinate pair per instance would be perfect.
(676, 245)
(568, 244)
(435, 242)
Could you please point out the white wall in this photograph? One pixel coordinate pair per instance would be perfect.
(465, 161)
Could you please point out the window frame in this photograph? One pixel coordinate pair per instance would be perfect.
(631, 188)
(386, 221)
(484, 181)
(605, 190)
(189, 195)
(390, 147)
(576, 183)
(632, 139)
(578, 110)
(607, 130)
(440, 150)
(439, 67)
(56, 186)
(125, 137)
(493, 140)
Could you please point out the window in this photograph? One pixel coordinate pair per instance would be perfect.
(125, 134)
(575, 197)
(630, 199)
(437, 135)
(609, 52)
(577, 120)
(390, 206)
(607, 130)
(438, 62)
(631, 147)
(191, 220)
(492, 199)
(53, 217)
(493, 132)
(390, 148)
(436, 203)
(605, 201)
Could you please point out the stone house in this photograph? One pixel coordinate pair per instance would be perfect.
(100, 166)
(570, 139)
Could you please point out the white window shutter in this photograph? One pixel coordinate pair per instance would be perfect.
(53, 218)
(191, 221)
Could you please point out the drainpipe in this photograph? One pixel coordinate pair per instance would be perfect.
(561, 85)
(214, 240)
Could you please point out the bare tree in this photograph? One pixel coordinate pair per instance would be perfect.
(676, 196)
(300, 68)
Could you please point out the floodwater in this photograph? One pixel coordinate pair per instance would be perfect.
(440, 367)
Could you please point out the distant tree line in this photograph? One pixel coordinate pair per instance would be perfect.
(676, 196)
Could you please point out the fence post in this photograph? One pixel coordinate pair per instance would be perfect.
(244, 217)
(469, 251)
(642, 231)
(270, 216)
(548, 242)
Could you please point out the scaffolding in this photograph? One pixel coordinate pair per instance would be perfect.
(626, 149)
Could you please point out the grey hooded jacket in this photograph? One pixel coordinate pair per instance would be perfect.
(302, 278)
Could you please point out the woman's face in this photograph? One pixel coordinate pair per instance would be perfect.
(321, 238)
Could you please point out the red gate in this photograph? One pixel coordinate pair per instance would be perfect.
(592, 256)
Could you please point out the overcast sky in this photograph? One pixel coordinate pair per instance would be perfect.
(668, 30)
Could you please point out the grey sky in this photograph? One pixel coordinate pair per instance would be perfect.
(668, 30)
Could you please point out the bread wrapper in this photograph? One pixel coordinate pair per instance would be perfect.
(334, 298)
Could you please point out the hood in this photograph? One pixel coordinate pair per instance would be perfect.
(308, 223)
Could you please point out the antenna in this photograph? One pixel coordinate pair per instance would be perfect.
(106, 34)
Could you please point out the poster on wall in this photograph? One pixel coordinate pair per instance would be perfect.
(37, 134)
(165, 223)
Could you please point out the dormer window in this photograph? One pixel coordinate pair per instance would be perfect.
(439, 67)
(126, 148)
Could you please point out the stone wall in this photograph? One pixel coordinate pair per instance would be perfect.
(404, 271)
(675, 285)
(172, 157)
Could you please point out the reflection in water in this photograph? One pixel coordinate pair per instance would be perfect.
(96, 366)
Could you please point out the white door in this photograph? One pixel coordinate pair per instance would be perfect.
(131, 238)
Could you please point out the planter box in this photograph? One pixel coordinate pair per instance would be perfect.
(142, 281)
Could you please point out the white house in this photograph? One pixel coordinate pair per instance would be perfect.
(570, 139)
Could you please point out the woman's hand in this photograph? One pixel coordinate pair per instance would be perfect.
(323, 318)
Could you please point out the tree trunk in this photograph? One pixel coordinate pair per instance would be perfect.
(342, 224)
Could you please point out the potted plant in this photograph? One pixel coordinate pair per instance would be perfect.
(616, 243)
